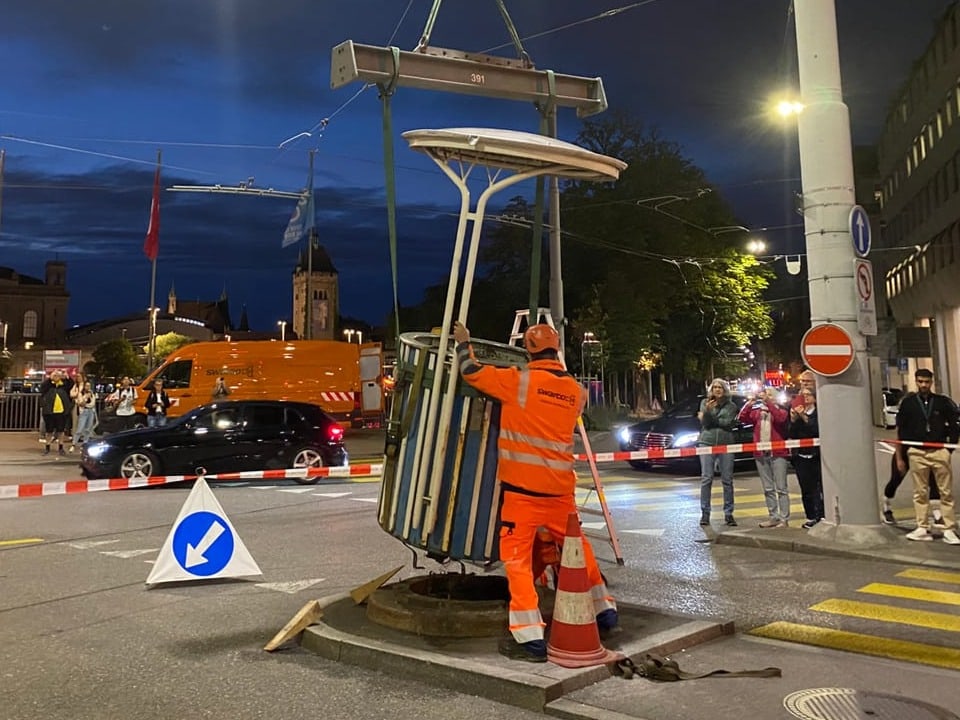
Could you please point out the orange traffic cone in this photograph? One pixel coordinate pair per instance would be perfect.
(574, 638)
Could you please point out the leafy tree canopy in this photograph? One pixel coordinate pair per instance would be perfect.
(115, 359)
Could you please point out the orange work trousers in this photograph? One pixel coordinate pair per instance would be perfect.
(520, 517)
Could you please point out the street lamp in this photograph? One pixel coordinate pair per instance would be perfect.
(359, 337)
(283, 330)
(789, 108)
(153, 336)
(755, 247)
(348, 334)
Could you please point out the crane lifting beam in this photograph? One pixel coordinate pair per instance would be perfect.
(459, 72)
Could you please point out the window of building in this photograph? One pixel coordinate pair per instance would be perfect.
(930, 138)
(30, 324)
(939, 124)
(948, 109)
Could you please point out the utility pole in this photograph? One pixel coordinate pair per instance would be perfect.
(826, 169)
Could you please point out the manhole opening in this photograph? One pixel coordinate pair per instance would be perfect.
(469, 588)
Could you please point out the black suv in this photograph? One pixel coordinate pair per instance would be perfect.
(678, 427)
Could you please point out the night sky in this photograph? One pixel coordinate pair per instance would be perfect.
(89, 91)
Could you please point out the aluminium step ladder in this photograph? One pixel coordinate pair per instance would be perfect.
(544, 316)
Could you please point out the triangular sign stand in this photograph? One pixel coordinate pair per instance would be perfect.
(202, 544)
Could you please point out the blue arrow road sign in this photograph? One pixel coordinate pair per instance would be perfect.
(203, 544)
(860, 230)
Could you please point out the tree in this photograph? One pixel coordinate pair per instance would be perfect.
(165, 344)
(115, 359)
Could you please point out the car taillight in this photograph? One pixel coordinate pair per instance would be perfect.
(334, 433)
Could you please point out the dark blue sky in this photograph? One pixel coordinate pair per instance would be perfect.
(89, 91)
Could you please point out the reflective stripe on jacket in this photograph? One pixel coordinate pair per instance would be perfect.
(540, 407)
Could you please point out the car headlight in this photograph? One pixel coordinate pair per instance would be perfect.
(624, 434)
(686, 439)
(96, 449)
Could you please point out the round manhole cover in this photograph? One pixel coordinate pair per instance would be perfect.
(850, 704)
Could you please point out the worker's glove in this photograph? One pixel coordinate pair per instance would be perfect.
(460, 333)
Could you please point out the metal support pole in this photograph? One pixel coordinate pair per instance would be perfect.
(556, 271)
(826, 164)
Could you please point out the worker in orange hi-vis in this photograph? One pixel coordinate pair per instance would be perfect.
(540, 405)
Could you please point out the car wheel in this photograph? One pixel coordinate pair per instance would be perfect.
(138, 464)
(308, 457)
(639, 464)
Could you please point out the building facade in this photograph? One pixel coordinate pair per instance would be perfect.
(322, 286)
(34, 311)
(919, 196)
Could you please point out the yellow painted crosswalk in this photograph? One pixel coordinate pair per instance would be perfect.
(895, 610)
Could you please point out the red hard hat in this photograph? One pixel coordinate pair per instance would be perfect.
(541, 337)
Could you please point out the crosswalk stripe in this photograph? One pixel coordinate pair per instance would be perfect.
(891, 614)
(796, 510)
(931, 575)
(906, 650)
(912, 593)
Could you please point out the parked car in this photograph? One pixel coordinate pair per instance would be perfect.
(678, 427)
(891, 404)
(224, 436)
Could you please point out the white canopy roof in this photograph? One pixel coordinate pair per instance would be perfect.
(514, 150)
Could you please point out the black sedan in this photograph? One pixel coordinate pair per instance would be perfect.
(678, 427)
(227, 436)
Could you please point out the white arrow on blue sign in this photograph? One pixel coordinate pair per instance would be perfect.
(860, 230)
(202, 544)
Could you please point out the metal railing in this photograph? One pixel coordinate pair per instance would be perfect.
(19, 411)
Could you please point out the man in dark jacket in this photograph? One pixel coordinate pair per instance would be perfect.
(928, 417)
(55, 406)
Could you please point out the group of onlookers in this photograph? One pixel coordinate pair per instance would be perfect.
(771, 422)
(923, 417)
(68, 408)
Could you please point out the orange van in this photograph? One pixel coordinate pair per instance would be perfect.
(343, 378)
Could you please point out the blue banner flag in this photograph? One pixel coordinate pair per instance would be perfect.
(302, 220)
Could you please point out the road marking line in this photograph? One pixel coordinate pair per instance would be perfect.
(888, 613)
(21, 541)
(931, 575)
(906, 650)
(912, 593)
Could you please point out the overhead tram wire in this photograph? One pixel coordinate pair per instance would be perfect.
(601, 16)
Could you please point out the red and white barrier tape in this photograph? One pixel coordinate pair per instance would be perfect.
(917, 443)
(664, 453)
(71, 487)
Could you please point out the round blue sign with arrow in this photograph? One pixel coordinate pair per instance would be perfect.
(203, 544)
(860, 230)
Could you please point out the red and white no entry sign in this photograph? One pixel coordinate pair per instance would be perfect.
(827, 349)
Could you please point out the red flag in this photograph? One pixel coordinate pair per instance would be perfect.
(151, 244)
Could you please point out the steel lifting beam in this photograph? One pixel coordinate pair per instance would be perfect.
(471, 74)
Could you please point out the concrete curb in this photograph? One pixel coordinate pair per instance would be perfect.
(500, 679)
(796, 541)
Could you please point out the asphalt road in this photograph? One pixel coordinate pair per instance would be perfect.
(84, 638)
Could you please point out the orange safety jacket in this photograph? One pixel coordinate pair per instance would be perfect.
(540, 407)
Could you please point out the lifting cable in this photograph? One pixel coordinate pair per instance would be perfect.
(386, 93)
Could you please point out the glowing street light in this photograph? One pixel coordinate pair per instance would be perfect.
(283, 330)
(755, 247)
(348, 334)
(789, 108)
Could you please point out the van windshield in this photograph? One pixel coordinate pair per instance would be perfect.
(176, 374)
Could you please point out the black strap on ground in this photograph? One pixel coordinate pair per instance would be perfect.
(655, 667)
